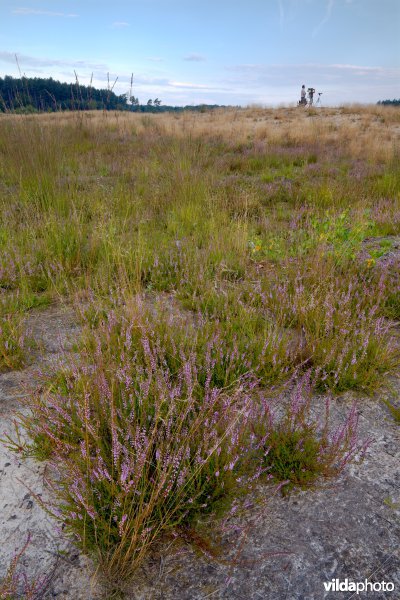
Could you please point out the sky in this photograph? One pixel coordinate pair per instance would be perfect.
(236, 52)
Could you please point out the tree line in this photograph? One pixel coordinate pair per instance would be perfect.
(37, 94)
(389, 102)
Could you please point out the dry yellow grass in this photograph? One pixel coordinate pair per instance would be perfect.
(367, 131)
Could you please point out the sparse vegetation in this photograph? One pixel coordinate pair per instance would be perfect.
(13, 342)
(222, 261)
(300, 452)
(17, 585)
(394, 411)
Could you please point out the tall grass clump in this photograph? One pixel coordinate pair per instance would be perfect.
(14, 342)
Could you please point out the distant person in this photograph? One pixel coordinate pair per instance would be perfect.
(311, 92)
(303, 95)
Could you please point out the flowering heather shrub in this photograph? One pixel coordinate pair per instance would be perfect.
(300, 450)
(247, 337)
(149, 432)
(188, 265)
(174, 267)
(347, 340)
(138, 445)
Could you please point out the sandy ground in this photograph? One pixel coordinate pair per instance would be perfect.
(22, 483)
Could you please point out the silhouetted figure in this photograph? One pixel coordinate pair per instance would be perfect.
(303, 95)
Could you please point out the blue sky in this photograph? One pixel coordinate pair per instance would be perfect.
(213, 51)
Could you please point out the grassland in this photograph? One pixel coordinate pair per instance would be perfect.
(216, 261)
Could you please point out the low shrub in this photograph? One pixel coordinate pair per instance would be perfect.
(139, 443)
(147, 434)
(302, 451)
(346, 338)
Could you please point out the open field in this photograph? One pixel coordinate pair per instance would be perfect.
(199, 328)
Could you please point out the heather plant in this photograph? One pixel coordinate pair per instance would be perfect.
(392, 303)
(26, 276)
(151, 431)
(345, 336)
(233, 330)
(301, 450)
(251, 341)
(139, 445)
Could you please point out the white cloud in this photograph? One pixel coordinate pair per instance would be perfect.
(357, 67)
(187, 85)
(165, 83)
(261, 73)
(338, 82)
(195, 58)
(46, 13)
(33, 61)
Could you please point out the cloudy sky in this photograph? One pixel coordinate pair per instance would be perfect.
(213, 51)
